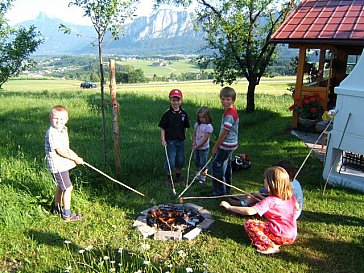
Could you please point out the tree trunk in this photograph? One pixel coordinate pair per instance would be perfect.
(115, 109)
(250, 104)
(102, 103)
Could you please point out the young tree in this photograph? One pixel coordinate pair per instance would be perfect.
(16, 46)
(107, 16)
(239, 33)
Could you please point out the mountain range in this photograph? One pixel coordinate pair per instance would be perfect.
(164, 32)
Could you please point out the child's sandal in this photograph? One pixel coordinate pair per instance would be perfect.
(72, 217)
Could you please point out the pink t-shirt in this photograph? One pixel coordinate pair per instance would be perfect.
(200, 130)
(280, 215)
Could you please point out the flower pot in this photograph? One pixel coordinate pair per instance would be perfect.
(307, 125)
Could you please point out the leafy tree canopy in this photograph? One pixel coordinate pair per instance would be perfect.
(16, 46)
(239, 33)
(107, 16)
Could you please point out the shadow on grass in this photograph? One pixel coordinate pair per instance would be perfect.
(234, 231)
(51, 239)
(323, 254)
(327, 218)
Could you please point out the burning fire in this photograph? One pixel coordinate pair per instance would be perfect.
(168, 217)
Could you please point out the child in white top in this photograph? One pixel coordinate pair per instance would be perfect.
(60, 159)
(201, 140)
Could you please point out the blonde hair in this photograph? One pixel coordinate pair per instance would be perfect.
(205, 111)
(278, 182)
(228, 92)
(57, 108)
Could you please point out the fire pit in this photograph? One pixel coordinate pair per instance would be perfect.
(173, 221)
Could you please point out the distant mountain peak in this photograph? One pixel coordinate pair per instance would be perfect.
(41, 16)
(164, 32)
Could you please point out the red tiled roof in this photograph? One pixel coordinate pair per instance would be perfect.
(324, 21)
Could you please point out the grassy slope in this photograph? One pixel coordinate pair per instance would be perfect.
(330, 231)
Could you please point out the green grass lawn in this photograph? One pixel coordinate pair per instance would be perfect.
(330, 231)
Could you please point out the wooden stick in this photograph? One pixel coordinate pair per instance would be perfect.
(304, 161)
(210, 197)
(189, 167)
(170, 170)
(193, 180)
(112, 179)
(226, 184)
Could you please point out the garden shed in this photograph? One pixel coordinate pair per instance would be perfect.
(330, 37)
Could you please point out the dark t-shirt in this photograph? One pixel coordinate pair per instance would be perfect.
(174, 123)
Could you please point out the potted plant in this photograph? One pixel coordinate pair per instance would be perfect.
(309, 109)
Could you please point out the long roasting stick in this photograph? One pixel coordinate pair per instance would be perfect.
(209, 197)
(193, 180)
(226, 184)
(169, 168)
(112, 179)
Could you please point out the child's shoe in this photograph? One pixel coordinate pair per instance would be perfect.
(236, 202)
(72, 217)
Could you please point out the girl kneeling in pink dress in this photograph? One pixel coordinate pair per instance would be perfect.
(278, 209)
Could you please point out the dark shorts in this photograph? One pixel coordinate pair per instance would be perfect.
(62, 180)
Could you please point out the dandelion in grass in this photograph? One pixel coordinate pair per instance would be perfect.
(189, 269)
(169, 265)
(120, 264)
(106, 258)
(120, 250)
(66, 242)
(81, 251)
(145, 247)
(112, 269)
(112, 262)
(181, 253)
(205, 265)
(146, 263)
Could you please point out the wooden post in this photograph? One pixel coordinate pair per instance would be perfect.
(299, 81)
(115, 108)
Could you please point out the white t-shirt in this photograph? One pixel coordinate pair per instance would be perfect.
(55, 139)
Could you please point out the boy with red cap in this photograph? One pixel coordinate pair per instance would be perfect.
(173, 126)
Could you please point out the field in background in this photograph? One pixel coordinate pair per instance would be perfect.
(163, 68)
(329, 235)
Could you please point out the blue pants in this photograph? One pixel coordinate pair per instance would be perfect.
(221, 169)
(176, 154)
(201, 157)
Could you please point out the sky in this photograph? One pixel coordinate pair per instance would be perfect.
(29, 9)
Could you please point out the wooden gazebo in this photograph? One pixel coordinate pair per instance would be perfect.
(330, 37)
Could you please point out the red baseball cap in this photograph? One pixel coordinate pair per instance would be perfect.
(176, 93)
